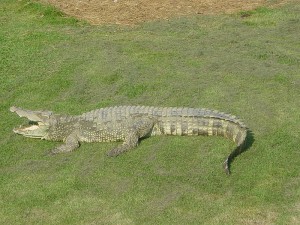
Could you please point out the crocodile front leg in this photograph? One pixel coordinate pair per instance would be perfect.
(71, 143)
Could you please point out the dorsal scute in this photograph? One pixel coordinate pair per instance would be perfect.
(125, 111)
(206, 113)
(227, 117)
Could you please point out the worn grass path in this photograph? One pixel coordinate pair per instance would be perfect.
(246, 64)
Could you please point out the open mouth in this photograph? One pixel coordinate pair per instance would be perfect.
(30, 126)
(32, 129)
(33, 123)
(37, 124)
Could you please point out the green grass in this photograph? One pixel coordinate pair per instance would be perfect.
(246, 64)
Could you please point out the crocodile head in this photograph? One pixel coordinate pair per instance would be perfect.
(38, 125)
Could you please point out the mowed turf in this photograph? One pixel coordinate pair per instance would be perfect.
(246, 64)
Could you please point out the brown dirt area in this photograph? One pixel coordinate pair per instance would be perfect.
(130, 12)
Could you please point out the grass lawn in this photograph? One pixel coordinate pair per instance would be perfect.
(247, 64)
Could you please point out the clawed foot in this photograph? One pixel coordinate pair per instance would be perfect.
(118, 150)
(114, 152)
(57, 150)
(50, 152)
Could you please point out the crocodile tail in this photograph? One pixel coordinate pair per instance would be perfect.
(224, 125)
(238, 133)
(190, 121)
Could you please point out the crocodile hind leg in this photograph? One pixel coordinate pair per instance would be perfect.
(130, 142)
(71, 143)
(140, 128)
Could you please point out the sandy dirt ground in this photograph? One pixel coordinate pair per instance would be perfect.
(130, 12)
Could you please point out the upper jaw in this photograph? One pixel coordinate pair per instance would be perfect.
(37, 116)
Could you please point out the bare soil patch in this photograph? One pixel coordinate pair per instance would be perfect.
(137, 11)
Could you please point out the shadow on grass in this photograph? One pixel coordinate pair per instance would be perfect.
(239, 150)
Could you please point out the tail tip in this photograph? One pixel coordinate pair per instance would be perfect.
(226, 166)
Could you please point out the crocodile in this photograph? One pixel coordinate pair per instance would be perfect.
(129, 124)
